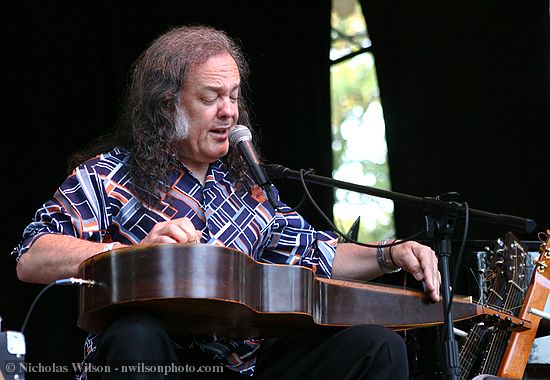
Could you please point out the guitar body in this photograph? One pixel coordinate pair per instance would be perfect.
(202, 289)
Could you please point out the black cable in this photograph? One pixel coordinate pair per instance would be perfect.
(34, 304)
(460, 254)
(63, 281)
(462, 244)
(300, 202)
(344, 237)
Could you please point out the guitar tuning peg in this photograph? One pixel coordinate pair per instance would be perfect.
(540, 265)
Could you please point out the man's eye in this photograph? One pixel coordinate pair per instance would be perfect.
(209, 100)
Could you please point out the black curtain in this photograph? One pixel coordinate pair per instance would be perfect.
(465, 90)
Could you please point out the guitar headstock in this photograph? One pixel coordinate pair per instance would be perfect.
(515, 258)
(541, 264)
(507, 259)
(506, 274)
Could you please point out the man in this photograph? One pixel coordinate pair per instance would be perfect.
(169, 175)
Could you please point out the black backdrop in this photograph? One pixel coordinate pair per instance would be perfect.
(465, 90)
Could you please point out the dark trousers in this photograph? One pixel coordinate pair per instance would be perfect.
(359, 352)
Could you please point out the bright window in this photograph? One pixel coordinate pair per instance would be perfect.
(358, 130)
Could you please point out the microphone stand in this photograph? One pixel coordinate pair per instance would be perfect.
(441, 216)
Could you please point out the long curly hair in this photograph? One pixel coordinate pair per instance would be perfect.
(147, 127)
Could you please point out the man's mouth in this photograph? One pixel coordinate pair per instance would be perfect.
(221, 131)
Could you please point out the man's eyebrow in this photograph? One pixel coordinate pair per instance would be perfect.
(218, 88)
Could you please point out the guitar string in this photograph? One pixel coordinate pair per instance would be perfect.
(472, 347)
(497, 338)
(514, 297)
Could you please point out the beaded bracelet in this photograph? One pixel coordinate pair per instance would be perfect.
(381, 259)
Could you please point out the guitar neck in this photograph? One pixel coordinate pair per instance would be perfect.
(507, 285)
(519, 345)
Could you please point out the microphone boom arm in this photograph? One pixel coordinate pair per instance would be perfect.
(432, 205)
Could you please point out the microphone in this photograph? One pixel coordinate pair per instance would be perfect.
(241, 138)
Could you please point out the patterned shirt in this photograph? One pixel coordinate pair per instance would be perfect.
(97, 202)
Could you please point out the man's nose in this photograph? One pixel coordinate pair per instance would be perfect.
(227, 108)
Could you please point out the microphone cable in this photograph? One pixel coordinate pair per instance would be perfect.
(460, 252)
(337, 230)
(300, 202)
(64, 281)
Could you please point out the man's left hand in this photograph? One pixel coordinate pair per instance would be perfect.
(421, 262)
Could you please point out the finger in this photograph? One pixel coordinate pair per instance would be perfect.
(428, 261)
(186, 225)
(198, 235)
(181, 230)
(193, 235)
(418, 275)
(156, 238)
(435, 295)
(429, 280)
(162, 239)
(426, 271)
(177, 231)
(174, 231)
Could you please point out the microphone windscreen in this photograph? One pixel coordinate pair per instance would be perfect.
(239, 133)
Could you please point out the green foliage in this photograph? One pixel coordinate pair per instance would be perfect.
(359, 146)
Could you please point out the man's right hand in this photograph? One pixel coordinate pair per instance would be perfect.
(179, 230)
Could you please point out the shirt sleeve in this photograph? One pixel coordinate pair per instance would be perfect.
(295, 242)
(78, 208)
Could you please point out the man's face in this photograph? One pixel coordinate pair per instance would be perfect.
(209, 101)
